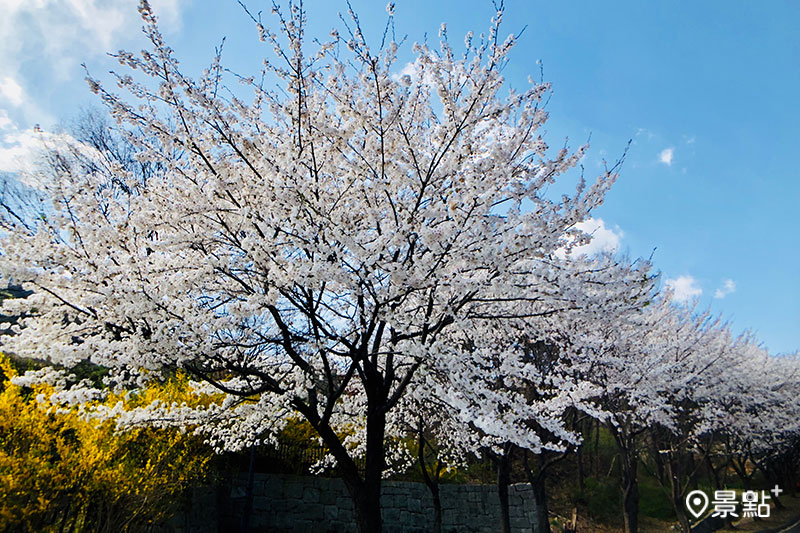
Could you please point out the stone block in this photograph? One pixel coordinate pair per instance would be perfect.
(327, 496)
(344, 503)
(261, 503)
(392, 517)
(521, 524)
(311, 495)
(313, 512)
(330, 513)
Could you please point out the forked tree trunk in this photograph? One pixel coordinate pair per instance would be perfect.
(364, 491)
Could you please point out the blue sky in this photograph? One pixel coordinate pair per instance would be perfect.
(706, 91)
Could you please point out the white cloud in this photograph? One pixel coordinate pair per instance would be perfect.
(5, 121)
(22, 153)
(52, 37)
(728, 287)
(666, 156)
(410, 73)
(11, 91)
(603, 239)
(19, 150)
(409, 69)
(684, 288)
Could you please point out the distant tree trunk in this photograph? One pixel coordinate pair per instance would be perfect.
(659, 461)
(431, 481)
(629, 462)
(630, 493)
(248, 499)
(581, 474)
(693, 469)
(596, 447)
(771, 477)
(538, 484)
(740, 467)
(503, 462)
(676, 491)
(713, 472)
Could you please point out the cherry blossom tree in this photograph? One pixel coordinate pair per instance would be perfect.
(754, 413)
(547, 364)
(322, 249)
(608, 346)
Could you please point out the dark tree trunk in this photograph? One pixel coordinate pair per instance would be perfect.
(437, 509)
(630, 494)
(542, 524)
(659, 464)
(503, 481)
(248, 500)
(431, 481)
(368, 501)
(676, 491)
(596, 448)
(581, 474)
(693, 470)
(771, 477)
(683, 521)
(538, 484)
(365, 491)
(629, 462)
(656, 445)
(740, 467)
(713, 471)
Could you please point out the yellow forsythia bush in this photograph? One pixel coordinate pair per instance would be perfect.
(62, 472)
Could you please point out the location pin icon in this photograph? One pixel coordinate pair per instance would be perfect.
(697, 503)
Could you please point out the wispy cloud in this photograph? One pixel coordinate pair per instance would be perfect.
(684, 288)
(11, 91)
(52, 37)
(19, 150)
(728, 287)
(666, 156)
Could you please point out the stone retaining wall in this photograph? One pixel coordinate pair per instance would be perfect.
(283, 503)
